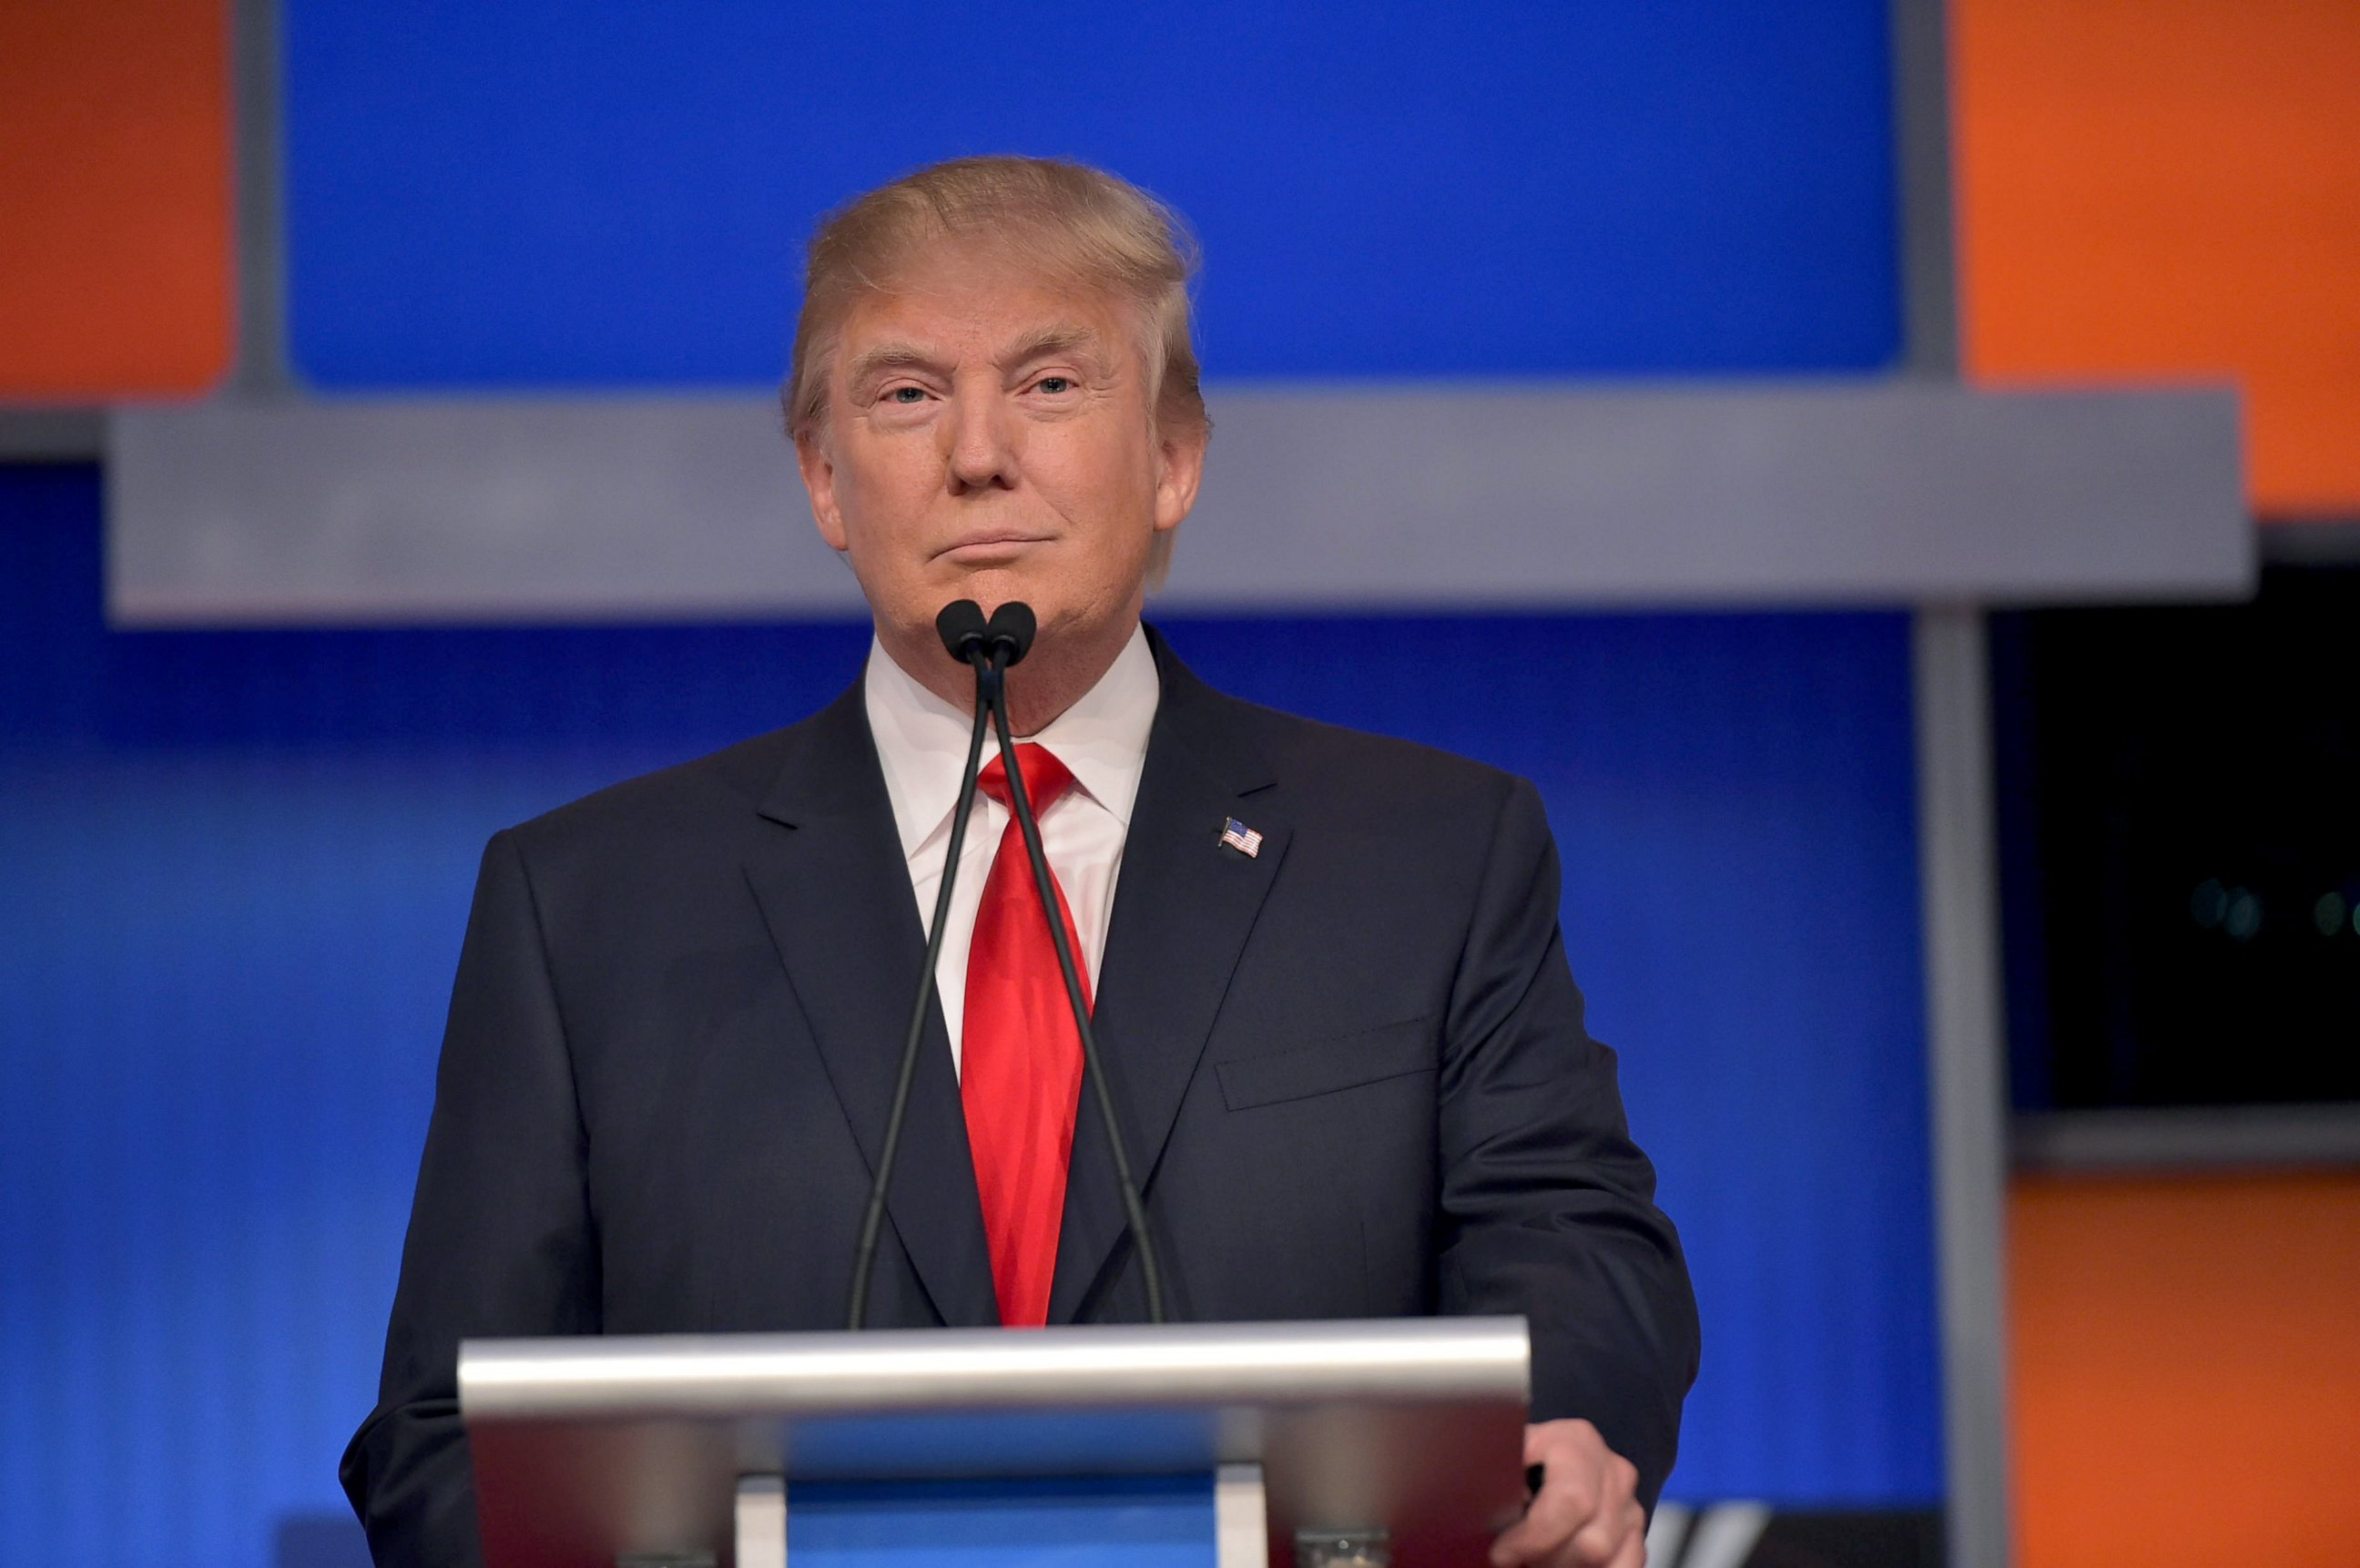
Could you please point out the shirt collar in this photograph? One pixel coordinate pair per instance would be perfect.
(922, 740)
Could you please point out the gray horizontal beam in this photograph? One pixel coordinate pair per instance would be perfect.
(1884, 492)
(1898, 491)
(2311, 541)
(2211, 1139)
(52, 435)
(454, 510)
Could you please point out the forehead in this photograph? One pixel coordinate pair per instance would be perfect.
(975, 296)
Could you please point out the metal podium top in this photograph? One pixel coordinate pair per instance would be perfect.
(1417, 1360)
(587, 1448)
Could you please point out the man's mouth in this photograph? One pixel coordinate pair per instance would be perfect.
(986, 543)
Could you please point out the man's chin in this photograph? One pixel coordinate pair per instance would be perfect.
(998, 583)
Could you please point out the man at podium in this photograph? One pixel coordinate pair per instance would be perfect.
(1323, 968)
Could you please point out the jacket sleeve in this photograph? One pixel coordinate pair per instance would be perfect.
(501, 1239)
(1547, 1207)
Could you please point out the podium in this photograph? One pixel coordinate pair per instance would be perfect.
(1354, 1443)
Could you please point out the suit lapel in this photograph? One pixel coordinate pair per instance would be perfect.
(832, 884)
(1185, 903)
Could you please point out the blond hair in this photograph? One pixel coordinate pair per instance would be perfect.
(1080, 227)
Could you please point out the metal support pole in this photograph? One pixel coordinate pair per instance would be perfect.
(1958, 859)
(256, 109)
(1966, 1077)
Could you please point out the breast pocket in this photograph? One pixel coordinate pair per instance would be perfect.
(1343, 1061)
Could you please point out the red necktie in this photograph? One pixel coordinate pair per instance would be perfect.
(1021, 1057)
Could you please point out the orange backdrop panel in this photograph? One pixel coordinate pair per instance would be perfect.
(2186, 1371)
(2171, 188)
(115, 198)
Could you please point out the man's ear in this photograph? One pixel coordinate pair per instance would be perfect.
(819, 482)
(1179, 470)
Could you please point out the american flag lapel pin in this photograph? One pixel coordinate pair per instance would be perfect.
(1241, 839)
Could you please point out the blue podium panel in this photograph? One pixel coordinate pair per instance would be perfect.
(1039, 1442)
(537, 194)
(1142, 1521)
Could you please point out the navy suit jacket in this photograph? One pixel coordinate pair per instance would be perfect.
(1352, 1069)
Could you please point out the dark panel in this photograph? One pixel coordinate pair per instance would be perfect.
(1869, 1540)
(2182, 856)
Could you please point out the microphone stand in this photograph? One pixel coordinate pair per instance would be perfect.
(995, 697)
(991, 648)
(959, 636)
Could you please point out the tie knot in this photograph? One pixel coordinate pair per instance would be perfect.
(1045, 778)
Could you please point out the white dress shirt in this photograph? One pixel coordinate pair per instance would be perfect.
(1102, 741)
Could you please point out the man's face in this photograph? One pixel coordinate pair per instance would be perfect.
(988, 436)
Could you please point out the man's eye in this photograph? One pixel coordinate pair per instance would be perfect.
(908, 394)
(1053, 385)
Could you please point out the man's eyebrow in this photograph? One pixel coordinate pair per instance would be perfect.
(890, 357)
(1059, 338)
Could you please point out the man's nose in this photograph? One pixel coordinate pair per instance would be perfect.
(983, 442)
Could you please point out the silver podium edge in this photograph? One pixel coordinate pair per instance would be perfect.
(656, 1449)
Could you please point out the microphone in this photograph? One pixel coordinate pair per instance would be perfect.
(1005, 639)
(964, 637)
(1010, 632)
(961, 627)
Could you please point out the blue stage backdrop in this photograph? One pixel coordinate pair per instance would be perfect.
(234, 867)
(536, 193)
